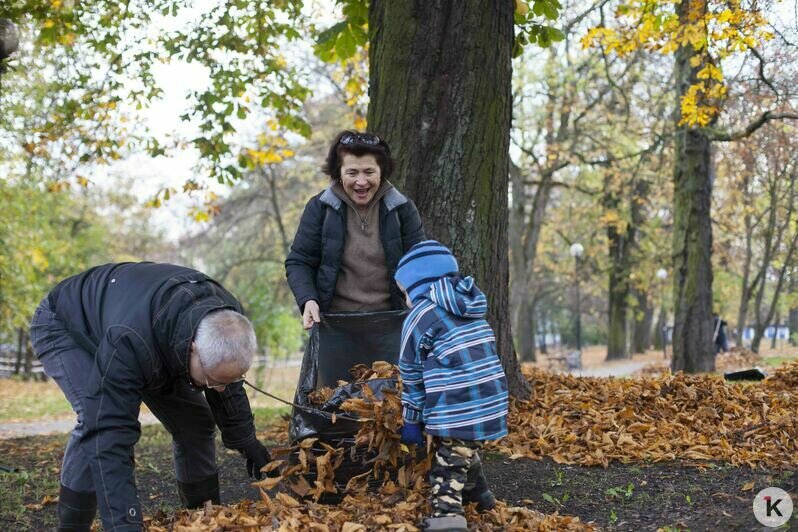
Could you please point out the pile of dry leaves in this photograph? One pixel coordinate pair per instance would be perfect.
(735, 359)
(592, 421)
(785, 379)
(402, 511)
(307, 472)
(360, 374)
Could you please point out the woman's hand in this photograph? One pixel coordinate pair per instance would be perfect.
(311, 314)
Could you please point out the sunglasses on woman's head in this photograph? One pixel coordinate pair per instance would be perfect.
(359, 138)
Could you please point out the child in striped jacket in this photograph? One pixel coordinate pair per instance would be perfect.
(453, 385)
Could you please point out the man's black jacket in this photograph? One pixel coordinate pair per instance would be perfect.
(139, 319)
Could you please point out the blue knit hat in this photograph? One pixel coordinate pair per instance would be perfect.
(425, 263)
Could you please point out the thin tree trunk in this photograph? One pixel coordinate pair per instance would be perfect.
(543, 319)
(440, 93)
(763, 322)
(793, 316)
(20, 350)
(774, 236)
(275, 201)
(746, 288)
(775, 324)
(28, 359)
(692, 231)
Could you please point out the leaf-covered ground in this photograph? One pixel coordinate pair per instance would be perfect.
(672, 451)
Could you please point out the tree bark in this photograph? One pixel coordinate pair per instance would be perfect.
(775, 324)
(793, 316)
(440, 93)
(644, 317)
(525, 334)
(692, 232)
(746, 288)
(619, 253)
(542, 331)
(20, 350)
(774, 236)
(659, 336)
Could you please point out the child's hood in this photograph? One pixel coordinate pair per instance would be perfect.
(459, 296)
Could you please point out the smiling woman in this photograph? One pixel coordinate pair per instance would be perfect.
(352, 235)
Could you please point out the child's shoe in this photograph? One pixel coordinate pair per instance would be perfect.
(447, 523)
(484, 499)
(476, 489)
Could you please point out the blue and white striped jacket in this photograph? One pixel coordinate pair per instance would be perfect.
(452, 380)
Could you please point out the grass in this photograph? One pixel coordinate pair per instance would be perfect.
(38, 458)
(22, 401)
(30, 400)
(777, 361)
(22, 492)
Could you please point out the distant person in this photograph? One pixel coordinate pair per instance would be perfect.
(719, 337)
(118, 335)
(351, 235)
(453, 384)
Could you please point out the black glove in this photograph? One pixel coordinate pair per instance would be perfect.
(257, 456)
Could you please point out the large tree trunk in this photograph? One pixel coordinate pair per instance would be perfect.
(659, 329)
(440, 92)
(525, 335)
(692, 232)
(644, 317)
(616, 335)
(619, 252)
(521, 272)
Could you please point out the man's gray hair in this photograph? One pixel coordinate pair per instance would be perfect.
(226, 336)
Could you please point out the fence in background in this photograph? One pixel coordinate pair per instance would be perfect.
(16, 358)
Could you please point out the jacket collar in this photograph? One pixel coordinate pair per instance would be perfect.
(392, 199)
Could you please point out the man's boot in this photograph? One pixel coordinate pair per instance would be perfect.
(76, 510)
(476, 488)
(193, 494)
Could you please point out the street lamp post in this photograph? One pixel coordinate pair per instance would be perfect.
(576, 252)
(662, 274)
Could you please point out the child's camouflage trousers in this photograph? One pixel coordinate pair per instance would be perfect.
(454, 470)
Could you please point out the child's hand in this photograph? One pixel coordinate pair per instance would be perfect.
(412, 434)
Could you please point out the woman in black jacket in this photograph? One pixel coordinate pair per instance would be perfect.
(352, 234)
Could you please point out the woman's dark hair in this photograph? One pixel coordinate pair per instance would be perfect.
(357, 144)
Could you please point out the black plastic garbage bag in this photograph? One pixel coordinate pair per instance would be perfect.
(339, 342)
(752, 374)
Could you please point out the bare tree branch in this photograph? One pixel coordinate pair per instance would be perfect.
(763, 119)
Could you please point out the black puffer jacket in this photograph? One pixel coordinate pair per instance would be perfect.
(315, 258)
(139, 320)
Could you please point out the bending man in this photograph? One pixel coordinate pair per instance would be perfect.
(120, 334)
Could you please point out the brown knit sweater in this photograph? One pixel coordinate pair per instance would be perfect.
(362, 283)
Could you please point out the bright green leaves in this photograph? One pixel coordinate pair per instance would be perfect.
(240, 44)
(341, 41)
(529, 27)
